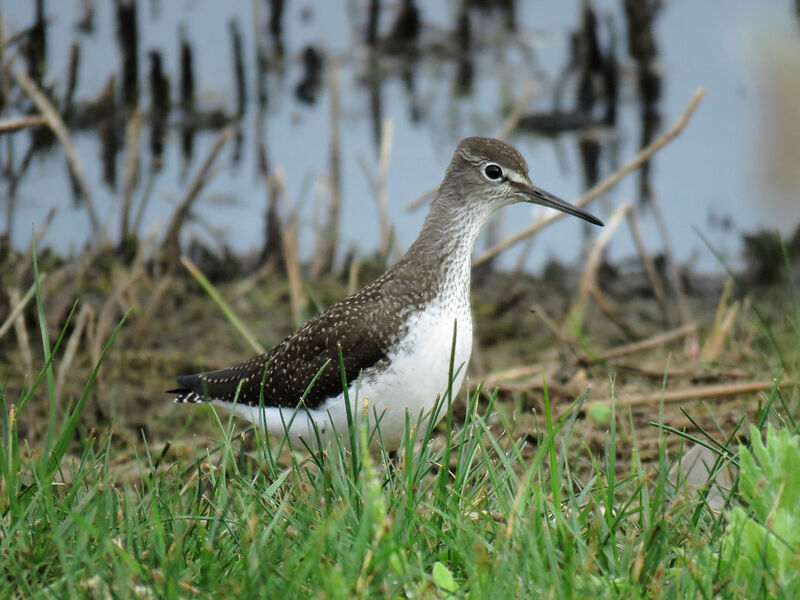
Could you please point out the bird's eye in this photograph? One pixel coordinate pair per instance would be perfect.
(492, 171)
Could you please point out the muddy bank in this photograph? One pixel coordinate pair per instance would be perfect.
(526, 332)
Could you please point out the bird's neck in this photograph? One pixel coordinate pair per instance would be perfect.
(443, 250)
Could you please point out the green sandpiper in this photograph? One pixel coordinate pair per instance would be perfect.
(396, 334)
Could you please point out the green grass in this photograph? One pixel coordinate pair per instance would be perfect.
(233, 521)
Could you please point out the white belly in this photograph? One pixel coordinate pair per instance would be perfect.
(417, 373)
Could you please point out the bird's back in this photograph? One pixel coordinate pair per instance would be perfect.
(366, 325)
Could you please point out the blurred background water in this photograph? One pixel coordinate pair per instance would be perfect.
(602, 79)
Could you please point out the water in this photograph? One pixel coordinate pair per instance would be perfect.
(715, 177)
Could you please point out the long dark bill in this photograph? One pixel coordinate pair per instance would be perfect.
(539, 196)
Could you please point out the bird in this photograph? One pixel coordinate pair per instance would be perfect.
(396, 335)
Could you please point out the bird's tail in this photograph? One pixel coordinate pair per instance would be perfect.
(185, 394)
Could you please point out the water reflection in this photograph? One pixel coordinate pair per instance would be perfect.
(273, 76)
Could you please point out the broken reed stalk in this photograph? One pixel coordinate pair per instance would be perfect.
(19, 302)
(170, 247)
(19, 327)
(660, 371)
(23, 267)
(352, 276)
(649, 266)
(648, 344)
(19, 307)
(71, 349)
(57, 126)
(377, 185)
(697, 393)
(133, 130)
(577, 312)
(12, 125)
(672, 264)
(722, 326)
(381, 193)
(605, 185)
(501, 377)
(325, 243)
(289, 234)
(724, 330)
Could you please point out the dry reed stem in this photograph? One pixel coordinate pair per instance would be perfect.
(588, 280)
(131, 161)
(71, 349)
(12, 125)
(535, 384)
(672, 264)
(289, 235)
(296, 297)
(56, 124)
(697, 393)
(660, 371)
(171, 245)
(605, 185)
(648, 344)
(719, 315)
(714, 346)
(327, 237)
(649, 265)
(19, 306)
(23, 340)
(502, 377)
(381, 193)
(352, 276)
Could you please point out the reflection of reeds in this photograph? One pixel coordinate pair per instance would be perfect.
(238, 67)
(328, 236)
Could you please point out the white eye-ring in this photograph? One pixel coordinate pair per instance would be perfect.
(493, 172)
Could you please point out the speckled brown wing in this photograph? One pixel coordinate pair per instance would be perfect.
(365, 324)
